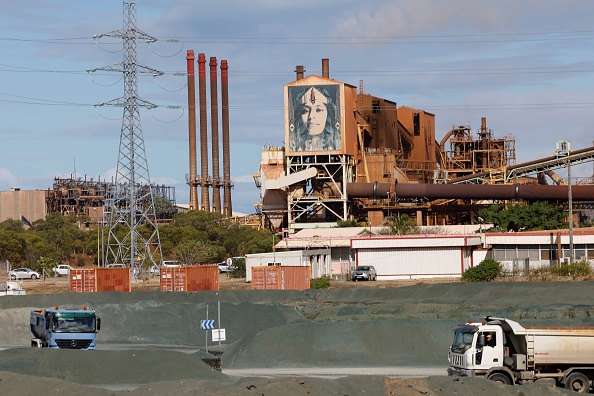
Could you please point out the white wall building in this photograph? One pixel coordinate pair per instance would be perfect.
(317, 259)
(417, 256)
(523, 250)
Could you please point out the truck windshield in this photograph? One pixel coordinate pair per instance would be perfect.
(462, 341)
(74, 323)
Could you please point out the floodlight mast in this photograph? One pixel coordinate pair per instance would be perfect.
(131, 200)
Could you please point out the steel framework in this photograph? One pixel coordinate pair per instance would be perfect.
(322, 198)
(131, 201)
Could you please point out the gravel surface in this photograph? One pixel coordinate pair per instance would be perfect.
(151, 342)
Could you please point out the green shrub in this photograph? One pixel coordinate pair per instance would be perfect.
(486, 271)
(320, 283)
(577, 268)
(239, 268)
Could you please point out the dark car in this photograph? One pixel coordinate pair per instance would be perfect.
(364, 272)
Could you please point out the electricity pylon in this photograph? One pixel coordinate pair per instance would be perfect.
(131, 200)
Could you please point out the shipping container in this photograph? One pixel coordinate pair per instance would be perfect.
(189, 278)
(90, 280)
(280, 278)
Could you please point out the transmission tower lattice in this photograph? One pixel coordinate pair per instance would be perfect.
(131, 200)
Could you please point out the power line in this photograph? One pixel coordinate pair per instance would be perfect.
(406, 39)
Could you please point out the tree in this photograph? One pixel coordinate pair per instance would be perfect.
(536, 216)
(46, 265)
(401, 224)
(11, 225)
(192, 252)
(349, 223)
(12, 246)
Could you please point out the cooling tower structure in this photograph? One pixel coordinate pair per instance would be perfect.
(207, 180)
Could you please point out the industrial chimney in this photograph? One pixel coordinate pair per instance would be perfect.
(300, 70)
(205, 205)
(326, 68)
(192, 179)
(214, 121)
(227, 207)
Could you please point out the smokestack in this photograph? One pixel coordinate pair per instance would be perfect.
(326, 68)
(300, 70)
(214, 121)
(203, 132)
(192, 180)
(227, 208)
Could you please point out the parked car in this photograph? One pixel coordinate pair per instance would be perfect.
(364, 272)
(116, 266)
(171, 263)
(23, 273)
(62, 270)
(223, 267)
(153, 271)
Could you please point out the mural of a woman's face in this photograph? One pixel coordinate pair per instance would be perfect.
(314, 111)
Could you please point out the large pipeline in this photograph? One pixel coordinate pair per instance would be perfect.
(192, 131)
(203, 132)
(227, 207)
(528, 192)
(214, 122)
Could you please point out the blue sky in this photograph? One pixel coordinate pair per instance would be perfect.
(526, 65)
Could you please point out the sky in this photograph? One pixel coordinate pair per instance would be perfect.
(525, 65)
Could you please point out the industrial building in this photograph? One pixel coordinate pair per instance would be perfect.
(349, 155)
(440, 252)
(76, 196)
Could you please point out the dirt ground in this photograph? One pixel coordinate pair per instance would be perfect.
(151, 342)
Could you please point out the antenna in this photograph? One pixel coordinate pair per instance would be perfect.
(131, 200)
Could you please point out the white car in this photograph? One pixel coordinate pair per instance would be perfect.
(116, 266)
(62, 270)
(23, 273)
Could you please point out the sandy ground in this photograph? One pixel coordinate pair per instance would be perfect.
(151, 343)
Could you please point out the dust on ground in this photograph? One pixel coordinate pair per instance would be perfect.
(151, 343)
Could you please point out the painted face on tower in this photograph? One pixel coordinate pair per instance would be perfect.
(314, 111)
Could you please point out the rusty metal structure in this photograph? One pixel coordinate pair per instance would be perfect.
(468, 156)
(354, 156)
(82, 196)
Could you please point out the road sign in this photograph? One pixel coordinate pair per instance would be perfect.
(218, 335)
(207, 324)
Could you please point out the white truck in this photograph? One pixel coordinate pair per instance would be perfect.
(502, 350)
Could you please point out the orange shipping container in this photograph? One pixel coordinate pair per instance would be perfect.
(114, 279)
(100, 279)
(83, 280)
(189, 278)
(280, 278)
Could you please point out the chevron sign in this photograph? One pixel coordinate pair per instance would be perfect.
(207, 324)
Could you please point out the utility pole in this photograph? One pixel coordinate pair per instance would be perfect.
(131, 198)
(563, 149)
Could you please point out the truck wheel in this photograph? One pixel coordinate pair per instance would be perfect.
(578, 382)
(500, 377)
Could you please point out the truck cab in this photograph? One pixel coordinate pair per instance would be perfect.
(476, 349)
(65, 328)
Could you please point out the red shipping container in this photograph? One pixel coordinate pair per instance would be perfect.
(90, 280)
(83, 280)
(280, 278)
(189, 278)
(113, 279)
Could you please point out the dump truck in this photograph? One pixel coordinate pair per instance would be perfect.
(502, 350)
(65, 328)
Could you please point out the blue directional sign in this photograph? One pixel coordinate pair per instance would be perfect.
(207, 324)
